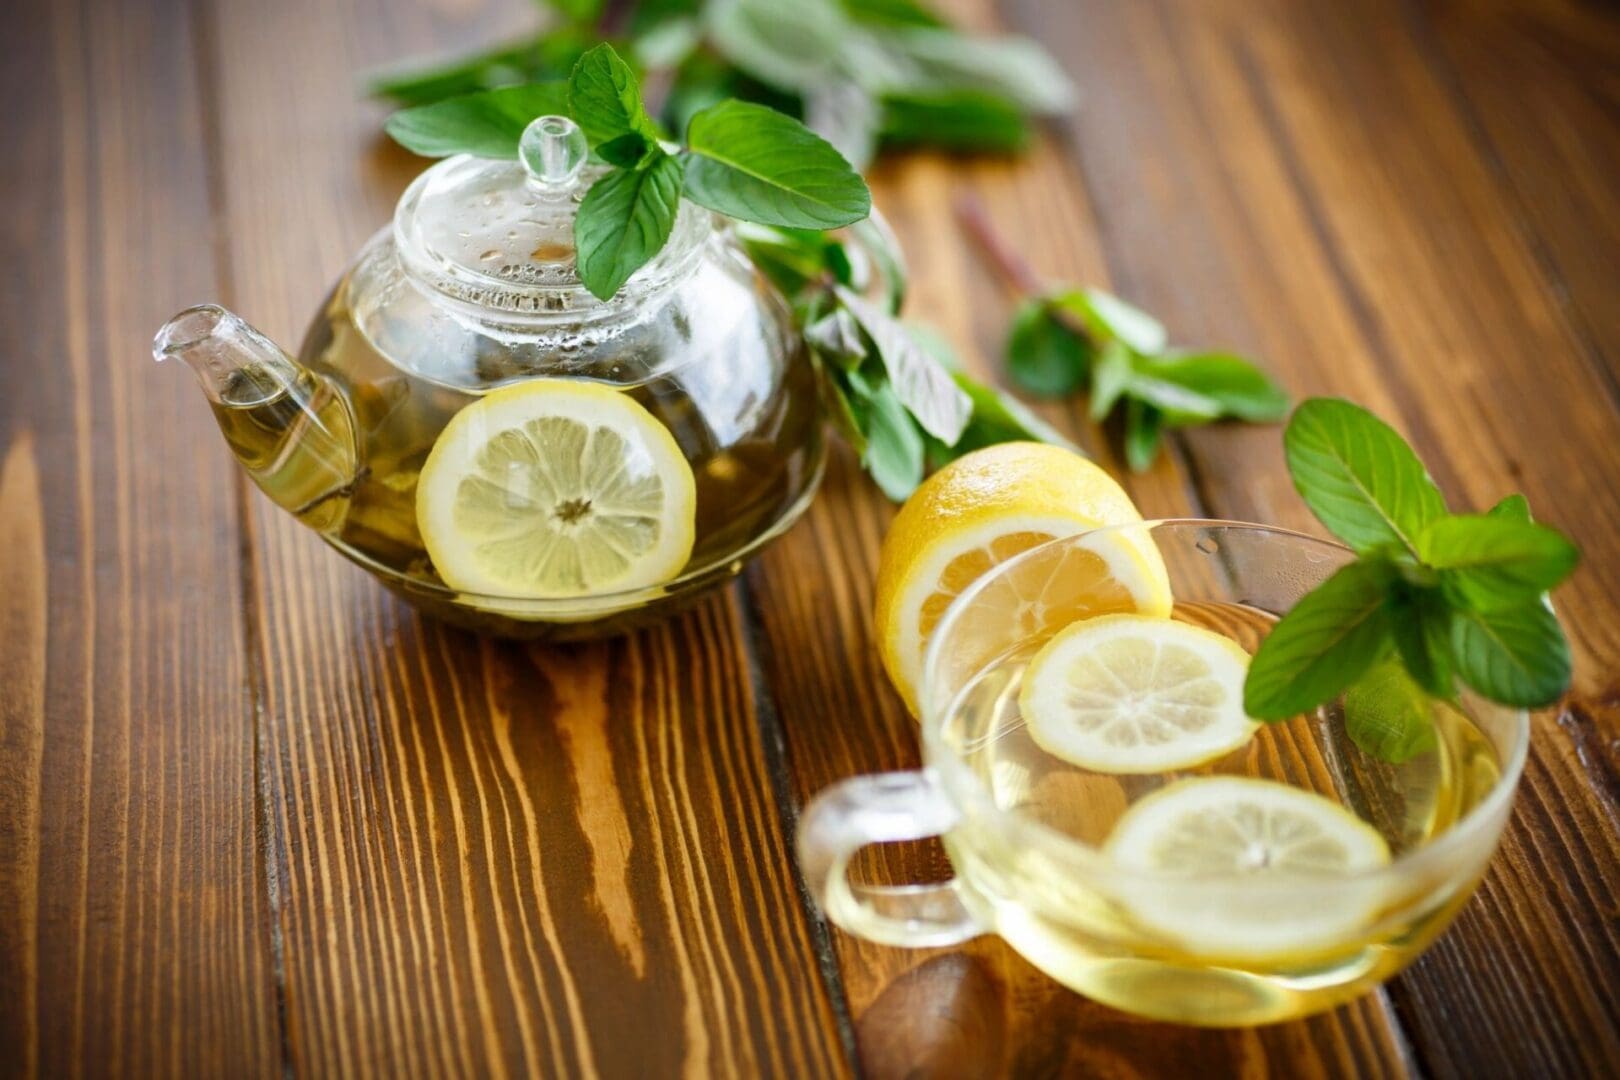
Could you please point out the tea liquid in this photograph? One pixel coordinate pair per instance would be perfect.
(1091, 942)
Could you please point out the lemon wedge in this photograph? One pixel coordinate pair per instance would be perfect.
(1136, 694)
(1226, 835)
(987, 507)
(556, 488)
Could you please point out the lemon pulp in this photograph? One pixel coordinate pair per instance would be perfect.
(556, 488)
(1135, 694)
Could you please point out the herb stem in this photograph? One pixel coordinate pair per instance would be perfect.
(1013, 269)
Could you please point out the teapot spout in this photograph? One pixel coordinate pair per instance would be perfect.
(290, 428)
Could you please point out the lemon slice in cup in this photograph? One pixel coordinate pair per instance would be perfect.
(556, 488)
(1137, 694)
(1227, 834)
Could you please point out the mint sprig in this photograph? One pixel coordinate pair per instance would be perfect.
(894, 390)
(1434, 599)
(861, 73)
(743, 160)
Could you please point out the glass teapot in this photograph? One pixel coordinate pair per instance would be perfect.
(509, 453)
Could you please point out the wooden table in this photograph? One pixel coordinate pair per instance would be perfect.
(257, 818)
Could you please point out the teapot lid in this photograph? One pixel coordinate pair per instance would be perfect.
(497, 236)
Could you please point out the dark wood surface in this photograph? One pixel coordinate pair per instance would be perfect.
(257, 817)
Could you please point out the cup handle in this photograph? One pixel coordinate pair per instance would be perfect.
(880, 809)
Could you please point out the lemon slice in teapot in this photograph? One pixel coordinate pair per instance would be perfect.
(556, 488)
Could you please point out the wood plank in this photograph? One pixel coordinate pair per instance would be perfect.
(1539, 84)
(933, 1010)
(1296, 179)
(134, 934)
(490, 859)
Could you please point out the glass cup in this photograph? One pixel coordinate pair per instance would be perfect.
(1026, 831)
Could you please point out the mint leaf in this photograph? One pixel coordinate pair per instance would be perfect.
(892, 13)
(1044, 356)
(1517, 656)
(1333, 635)
(1110, 378)
(754, 163)
(999, 418)
(1358, 476)
(836, 336)
(1421, 625)
(1388, 715)
(967, 120)
(485, 124)
(1182, 406)
(1234, 384)
(1491, 562)
(894, 447)
(794, 45)
(1014, 67)
(920, 382)
(1515, 507)
(623, 221)
(549, 56)
(1107, 316)
(606, 104)
(1144, 430)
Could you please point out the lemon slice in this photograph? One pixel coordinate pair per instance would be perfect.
(985, 508)
(1255, 854)
(556, 488)
(1136, 694)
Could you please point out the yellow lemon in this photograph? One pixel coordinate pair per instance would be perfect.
(556, 488)
(983, 509)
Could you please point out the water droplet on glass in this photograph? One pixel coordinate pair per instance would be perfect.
(1208, 545)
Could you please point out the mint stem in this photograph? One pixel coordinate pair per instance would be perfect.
(1013, 269)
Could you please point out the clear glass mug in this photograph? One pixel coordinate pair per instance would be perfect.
(1024, 830)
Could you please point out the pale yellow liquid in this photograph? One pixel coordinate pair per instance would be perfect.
(1090, 941)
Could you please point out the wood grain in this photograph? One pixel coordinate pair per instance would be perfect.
(491, 860)
(134, 932)
(258, 818)
(1375, 252)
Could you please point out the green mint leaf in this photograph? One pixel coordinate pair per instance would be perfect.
(1110, 377)
(892, 13)
(973, 121)
(1327, 642)
(1144, 431)
(550, 56)
(920, 382)
(1237, 386)
(577, 10)
(925, 59)
(1107, 316)
(791, 258)
(1421, 626)
(1044, 356)
(605, 102)
(877, 240)
(1514, 507)
(754, 163)
(1358, 476)
(624, 221)
(629, 151)
(485, 124)
(793, 45)
(999, 418)
(1388, 715)
(894, 446)
(839, 399)
(837, 337)
(1493, 562)
(1183, 407)
(1515, 656)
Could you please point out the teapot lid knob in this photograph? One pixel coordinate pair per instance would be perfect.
(553, 151)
